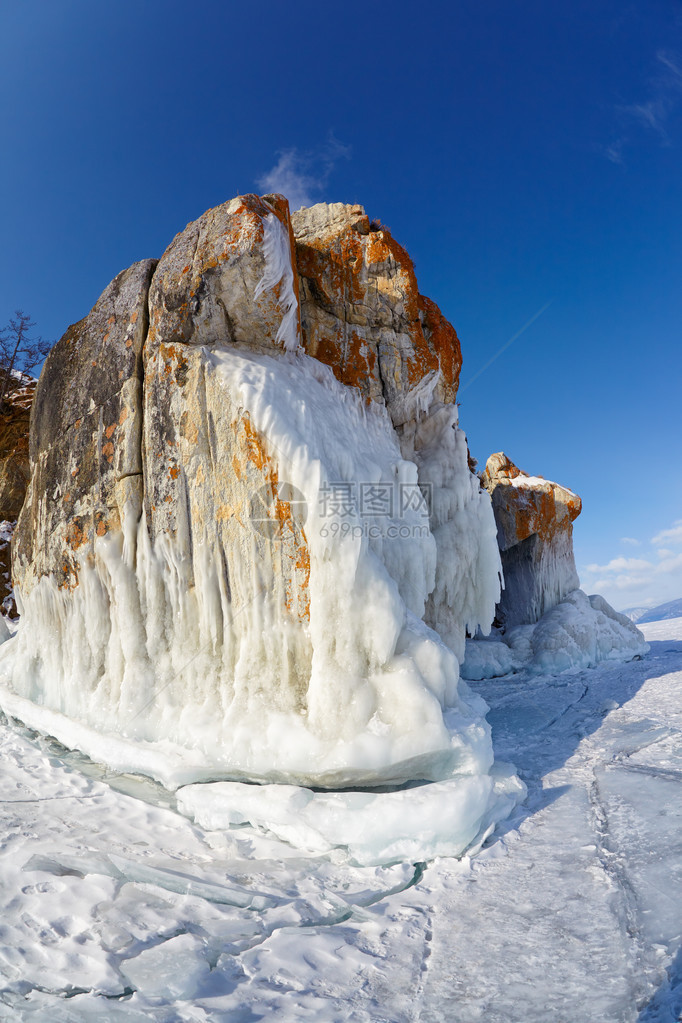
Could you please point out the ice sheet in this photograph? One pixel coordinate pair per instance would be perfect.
(569, 911)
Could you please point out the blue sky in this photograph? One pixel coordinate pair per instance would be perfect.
(524, 153)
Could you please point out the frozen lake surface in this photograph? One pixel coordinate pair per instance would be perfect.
(114, 906)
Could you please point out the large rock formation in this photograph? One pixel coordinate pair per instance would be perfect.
(250, 508)
(534, 520)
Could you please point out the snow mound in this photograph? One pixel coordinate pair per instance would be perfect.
(487, 658)
(414, 824)
(577, 633)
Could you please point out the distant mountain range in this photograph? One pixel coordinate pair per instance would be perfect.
(671, 609)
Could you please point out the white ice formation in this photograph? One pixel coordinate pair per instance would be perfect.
(577, 633)
(279, 270)
(189, 681)
(417, 823)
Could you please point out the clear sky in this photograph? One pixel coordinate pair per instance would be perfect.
(524, 152)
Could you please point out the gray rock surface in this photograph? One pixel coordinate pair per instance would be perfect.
(534, 520)
(85, 438)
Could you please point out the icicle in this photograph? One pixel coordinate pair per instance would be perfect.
(278, 268)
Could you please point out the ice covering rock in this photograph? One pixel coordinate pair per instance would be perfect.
(535, 533)
(202, 572)
(362, 314)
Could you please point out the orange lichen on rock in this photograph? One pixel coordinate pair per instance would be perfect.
(276, 521)
(252, 445)
(174, 361)
(525, 505)
(361, 311)
(298, 586)
(76, 535)
(442, 341)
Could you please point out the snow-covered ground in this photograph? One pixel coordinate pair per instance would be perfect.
(114, 906)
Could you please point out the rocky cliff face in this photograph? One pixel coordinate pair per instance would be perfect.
(534, 520)
(85, 436)
(250, 507)
(14, 454)
(14, 477)
(362, 314)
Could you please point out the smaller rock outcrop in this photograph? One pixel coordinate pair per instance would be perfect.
(14, 460)
(546, 624)
(14, 476)
(534, 520)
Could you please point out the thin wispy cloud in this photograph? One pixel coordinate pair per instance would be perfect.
(672, 535)
(303, 175)
(673, 64)
(652, 113)
(614, 152)
(621, 565)
(631, 541)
